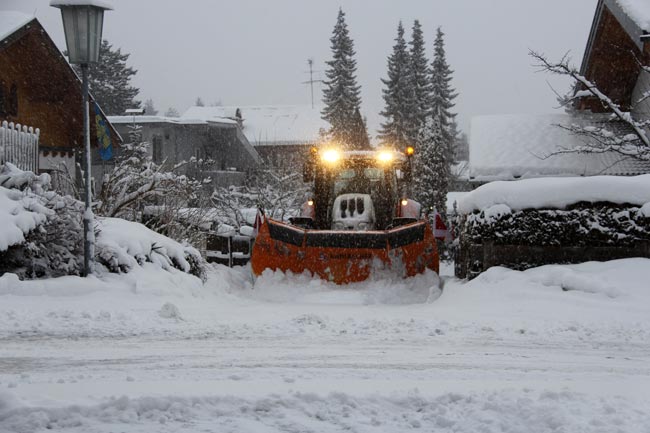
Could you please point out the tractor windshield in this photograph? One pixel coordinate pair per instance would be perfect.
(362, 180)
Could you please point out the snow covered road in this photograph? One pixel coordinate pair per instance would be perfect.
(549, 350)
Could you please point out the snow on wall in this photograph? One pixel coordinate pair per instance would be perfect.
(268, 125)
(11, 21)
(506, 147)
(558, 193)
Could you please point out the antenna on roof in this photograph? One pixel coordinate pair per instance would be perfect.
(311, 81)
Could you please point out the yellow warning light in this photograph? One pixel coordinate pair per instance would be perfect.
(404, 202)
(310, 202)
(410, 151)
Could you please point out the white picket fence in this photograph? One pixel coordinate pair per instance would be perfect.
(19, 146)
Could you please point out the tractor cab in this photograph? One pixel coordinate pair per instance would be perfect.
(355, 190)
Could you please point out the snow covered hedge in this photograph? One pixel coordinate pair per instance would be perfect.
(599, 210)
(41, 234)
(553, 220)
(580, 224)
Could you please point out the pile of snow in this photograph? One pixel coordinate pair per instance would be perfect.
(558, 193)
(122, 245)
(497, 411)
(382, 288)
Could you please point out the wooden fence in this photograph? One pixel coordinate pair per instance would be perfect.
(19, 146)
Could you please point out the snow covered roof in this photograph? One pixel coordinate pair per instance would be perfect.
(97, 3)
(638, 11)
(268, 125)
(558, 193)
(11, 21)
(507, 147)
(162, 119)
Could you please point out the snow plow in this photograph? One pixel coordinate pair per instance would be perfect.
(358, 222)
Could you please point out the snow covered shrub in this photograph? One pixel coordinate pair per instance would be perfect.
(41, 234)
(136, 182)
(122, 245)
(279, 191)
(593, 224)
(51, 241)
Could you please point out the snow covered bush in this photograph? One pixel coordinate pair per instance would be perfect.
(579, 225)
(280, 192)
(532, 222)
(597, 210)
(122, 245)
(41, 234)
(40, 230)
(136, 182)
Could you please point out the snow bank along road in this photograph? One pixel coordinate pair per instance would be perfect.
(553, 349)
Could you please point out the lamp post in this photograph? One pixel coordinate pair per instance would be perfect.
(83, 21)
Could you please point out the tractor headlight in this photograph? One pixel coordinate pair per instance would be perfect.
(385, 156)
(330, 156)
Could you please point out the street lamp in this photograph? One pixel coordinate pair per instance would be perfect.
(83, 21)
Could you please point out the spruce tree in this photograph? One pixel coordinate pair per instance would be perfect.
(341, 95)
(199, 102)
(397, 130)
(421, 79)
(172, 112)
(359, 134)
(149, 108)
(110, 81)
(443, 94)
(432, 169)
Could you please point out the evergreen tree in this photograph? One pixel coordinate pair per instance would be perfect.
(432, 171)
(421, 79)
(199, 102)
(443, 94)
(110, 81)
(172, 112)
(341, 95)
(149, 108)
(397, 130)
(359, 135)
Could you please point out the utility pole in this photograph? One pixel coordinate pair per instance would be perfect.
(311, 81)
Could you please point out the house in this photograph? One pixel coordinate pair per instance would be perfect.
(619, 41)
(511, 147)
(282, 134)
(516, 146)
(39, 88)
(174, 140)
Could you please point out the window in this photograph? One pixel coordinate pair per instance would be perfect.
(8, 101)
(3, 102)
(157, 149)
(12, 101)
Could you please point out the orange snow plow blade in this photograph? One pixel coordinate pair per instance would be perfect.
(344, 256)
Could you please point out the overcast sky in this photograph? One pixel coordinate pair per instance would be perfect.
(254, 52)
